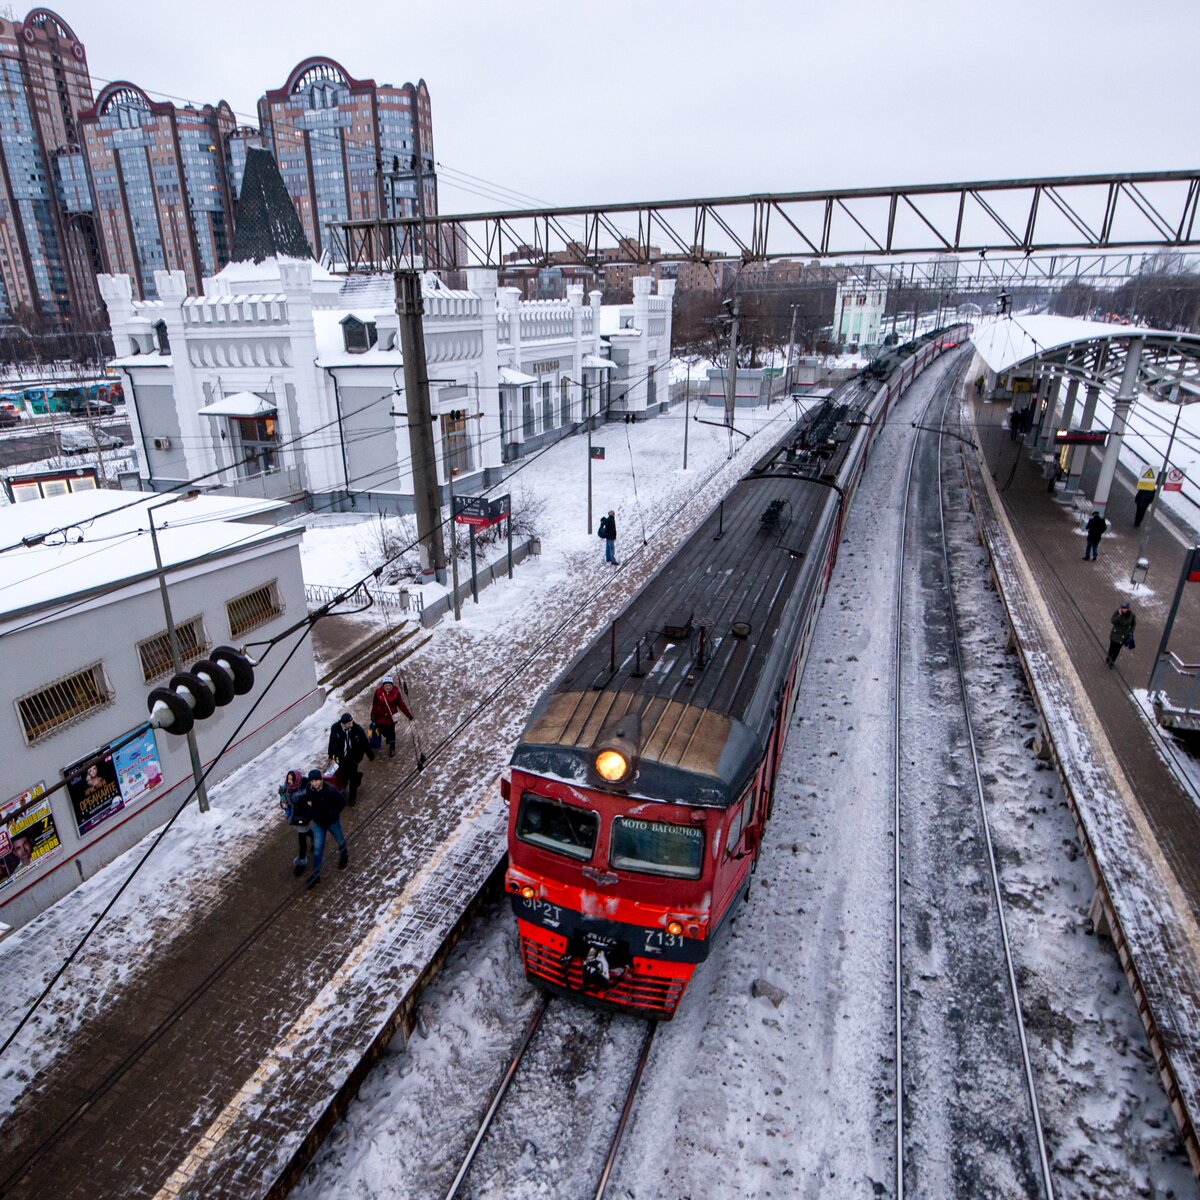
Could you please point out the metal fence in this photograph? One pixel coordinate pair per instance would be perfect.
(399, 599)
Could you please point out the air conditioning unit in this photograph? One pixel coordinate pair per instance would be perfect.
(162, 443)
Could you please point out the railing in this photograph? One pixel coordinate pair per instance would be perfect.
(1177, 683)
(400, 599)
(271, 485)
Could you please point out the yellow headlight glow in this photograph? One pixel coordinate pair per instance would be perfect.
(527, 892)
(611, 765)
(674, 927)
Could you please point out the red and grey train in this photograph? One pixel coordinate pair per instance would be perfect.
(642, 784)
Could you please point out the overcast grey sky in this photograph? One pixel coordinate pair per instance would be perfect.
(622, 100)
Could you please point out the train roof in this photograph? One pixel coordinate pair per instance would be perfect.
(693, 667)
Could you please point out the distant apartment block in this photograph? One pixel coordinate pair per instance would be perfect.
(350, 149)
(49, 251)
(160, 184)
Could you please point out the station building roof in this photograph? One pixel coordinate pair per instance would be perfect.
(1093, 352)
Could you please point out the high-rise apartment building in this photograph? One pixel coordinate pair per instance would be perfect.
(350, 149)
(49, 252)
(160, 185)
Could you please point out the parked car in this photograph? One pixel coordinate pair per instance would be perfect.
(9, 416)
(79, 439)
(90, 408)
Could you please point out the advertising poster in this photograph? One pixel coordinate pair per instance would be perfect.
(115, 775)
(27, 834)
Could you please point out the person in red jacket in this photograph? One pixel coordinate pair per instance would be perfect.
(387, 703)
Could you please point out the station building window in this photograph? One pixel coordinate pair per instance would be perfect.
(155, 652)
(63, 702)
(252, 609)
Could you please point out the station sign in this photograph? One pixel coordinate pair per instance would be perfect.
(1174, 481)
(597, 453)
(1080, 437)
(481, 512)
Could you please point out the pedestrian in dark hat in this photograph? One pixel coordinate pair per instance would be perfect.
(1123, 625)
(326, 803)
(348, 746)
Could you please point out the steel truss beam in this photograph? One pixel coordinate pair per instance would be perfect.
(1151, 210)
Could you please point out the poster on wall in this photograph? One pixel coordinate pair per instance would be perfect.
(27, 834)
(115, 775)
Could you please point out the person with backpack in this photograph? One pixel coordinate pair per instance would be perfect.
(327, 804)
(1123, 625)
(387, 702)
(294, 802)
(608, 531)
(348, 746)
(1095, 531)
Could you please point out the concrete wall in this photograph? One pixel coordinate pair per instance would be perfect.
(157, 417)
(106, 630)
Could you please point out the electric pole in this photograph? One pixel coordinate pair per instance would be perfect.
(787, 385)
(735, 317)
(427, 501)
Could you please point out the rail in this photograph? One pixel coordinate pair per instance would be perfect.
(401, 599)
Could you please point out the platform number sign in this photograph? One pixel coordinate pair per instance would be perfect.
(597, 453)
(1174, 481)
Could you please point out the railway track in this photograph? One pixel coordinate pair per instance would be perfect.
(514, 1140)
(962, 1065)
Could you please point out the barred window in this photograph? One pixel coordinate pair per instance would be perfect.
(253, 609)
(155, 652)
(63, 702)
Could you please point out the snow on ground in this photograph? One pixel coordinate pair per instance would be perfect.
(745, 1098)
(641, 476)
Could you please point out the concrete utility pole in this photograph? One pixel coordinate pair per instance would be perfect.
(427, 501)
(735, 320)
(787, 387)
(1121, 406)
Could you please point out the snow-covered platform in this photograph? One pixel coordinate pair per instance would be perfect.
(1134, 804)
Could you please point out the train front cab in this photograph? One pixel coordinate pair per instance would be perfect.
(619, 900)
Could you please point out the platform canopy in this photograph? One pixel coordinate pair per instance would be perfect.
(240, 404)
(516, 378)
(1093, 352)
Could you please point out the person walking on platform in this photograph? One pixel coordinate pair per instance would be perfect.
(608, 531)
(387, 702)
(326, 803)
(1142, 499)
(1095, 531)
(348, 746)
(293, 799)
(1123, 625)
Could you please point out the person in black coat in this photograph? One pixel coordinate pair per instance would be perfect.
(1095, 531)
(1142, 499)
(348, 746)
(326, 803)
(1123, 625)
(608, 531)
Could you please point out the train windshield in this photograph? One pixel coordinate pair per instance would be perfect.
(657, 848)
(556, 826)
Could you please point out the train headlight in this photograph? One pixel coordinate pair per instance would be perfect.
(528, 893)
(612, 765)
(674, 928)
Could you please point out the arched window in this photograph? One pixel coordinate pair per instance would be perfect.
(160, 336)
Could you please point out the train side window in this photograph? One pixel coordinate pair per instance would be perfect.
(735, 829)
(553, 825)
(657, 847)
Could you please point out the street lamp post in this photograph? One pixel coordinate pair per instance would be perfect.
(1162, 478)
(173, 641)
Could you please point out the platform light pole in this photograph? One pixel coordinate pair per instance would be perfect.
(173, 640)
(1141, 562)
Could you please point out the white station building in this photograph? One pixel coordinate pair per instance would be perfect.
(285, 381)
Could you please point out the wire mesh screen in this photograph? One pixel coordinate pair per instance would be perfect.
(63, 702)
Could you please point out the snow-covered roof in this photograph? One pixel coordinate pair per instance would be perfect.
(613, 318)
(1004, 342)
(517, 378)
(331, 340)
(597, 363)
(240, 404)
(92, 548)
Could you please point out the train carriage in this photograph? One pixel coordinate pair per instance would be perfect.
(641, 786)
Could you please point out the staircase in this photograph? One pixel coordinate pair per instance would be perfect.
(363, 665)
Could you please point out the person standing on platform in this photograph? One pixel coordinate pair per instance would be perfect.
(348, 746)
(608, 531)
(1095, 531)
(293, 799)
(387, 702)
(1142, 499)
(326, 804)
(1123, 625)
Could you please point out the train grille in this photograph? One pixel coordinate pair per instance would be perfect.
(644, 992)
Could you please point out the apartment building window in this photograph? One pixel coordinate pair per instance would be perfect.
(63, 702)
(252, 609)
(155, 652)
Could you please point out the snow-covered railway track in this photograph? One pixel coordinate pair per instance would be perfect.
(533, 1117)
(966, 1112)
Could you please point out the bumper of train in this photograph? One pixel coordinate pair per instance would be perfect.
(648, 986)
